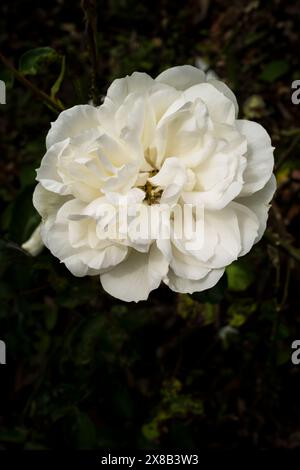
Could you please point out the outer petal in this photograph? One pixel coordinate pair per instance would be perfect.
(121, 87)
(47, 173)
(92, 262)
(72, 122)
(186, 266)
(34, 244)
(137, 276)
(259, 203)
(248, 226)
(47, 202)
(260, 159)
(181, 77)
(188, 286)
(223, 88)
(73, 249)
(236, 228)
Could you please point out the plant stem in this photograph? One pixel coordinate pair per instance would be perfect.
(90, 10)
(275, 240)
(34, 89)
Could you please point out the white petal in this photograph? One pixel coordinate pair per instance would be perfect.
(136, 276)
(248, 226)
(69, 209)
(92, 262)
(123, 180)
(161, 98)
(223, 88)
(260, 159)
(181, 77)
(121, 87)
(201, 243)
(47, 173)
(220, 108)
(34, 244)
(236, 228)
(172, 177)
(72, 122)
(219, 178)
(225, 225)
(188, 286)
(46, 202)
(136, 122)
(186, 266)
(259, 203)
(183, 127)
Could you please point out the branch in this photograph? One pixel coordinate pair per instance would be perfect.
(90, 10)
(283, 243)
(34, 89)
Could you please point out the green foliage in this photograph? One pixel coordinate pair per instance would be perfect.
(274, 70)
(173, 404)
(240, 310)
(240, 275)
(34, 61)
(37, 61)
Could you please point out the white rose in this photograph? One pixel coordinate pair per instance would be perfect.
(173, 139)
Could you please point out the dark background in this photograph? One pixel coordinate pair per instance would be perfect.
(211, 370)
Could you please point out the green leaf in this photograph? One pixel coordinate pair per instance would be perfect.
(240, 276)
(274, 70)
(34, 60)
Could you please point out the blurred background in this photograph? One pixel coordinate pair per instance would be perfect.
(208, 371)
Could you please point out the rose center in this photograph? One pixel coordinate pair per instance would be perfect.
(152, 193)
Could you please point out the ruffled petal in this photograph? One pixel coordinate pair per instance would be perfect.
(181, 77)
(72, 122)
(220, 107)
(223, 88)
(47, 202)
(134, 278)
(188, 286)
(260, 160)
(259, 203)
(121, 87)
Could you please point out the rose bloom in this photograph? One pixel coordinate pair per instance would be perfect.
(171, 140)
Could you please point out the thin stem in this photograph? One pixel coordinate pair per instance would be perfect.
(90, 10)
(283, 243)
(34, 89)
